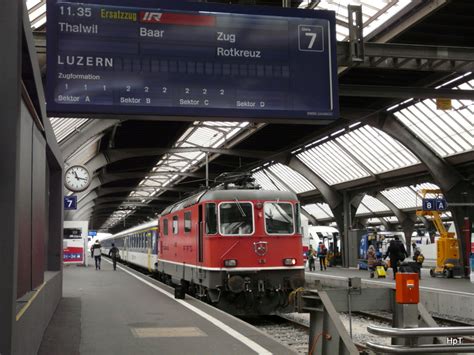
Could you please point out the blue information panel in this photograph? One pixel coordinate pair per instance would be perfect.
(70, 202)
(191, 59)
(434, 204)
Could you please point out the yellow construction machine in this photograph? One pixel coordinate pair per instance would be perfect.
(447, 246)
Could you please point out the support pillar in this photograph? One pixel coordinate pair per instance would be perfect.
(54, 258)
(344, 214)
(408, 226)
(10, 92)
(460, 213)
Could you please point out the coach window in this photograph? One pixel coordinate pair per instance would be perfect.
(279, 218)
(165, 227)
(211, 218)
(175, 224)
(236, 218)
(187, 222)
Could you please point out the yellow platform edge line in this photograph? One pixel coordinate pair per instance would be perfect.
(30, 301)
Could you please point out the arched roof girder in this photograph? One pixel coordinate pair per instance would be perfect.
(96, 127)
(108, 209)
(445, 176)
(113, 155)
(310, 217)
(103, 191)
(333, 198)
(95, 200)
(452, 184)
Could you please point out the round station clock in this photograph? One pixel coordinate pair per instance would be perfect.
(77, 178)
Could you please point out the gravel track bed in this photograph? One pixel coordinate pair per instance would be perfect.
(287, 332)
(292, 329)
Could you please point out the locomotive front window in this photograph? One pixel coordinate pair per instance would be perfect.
(279, 218)
(236, 218)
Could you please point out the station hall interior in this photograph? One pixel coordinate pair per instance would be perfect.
(399, 135)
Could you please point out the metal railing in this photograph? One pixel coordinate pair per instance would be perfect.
(456, 347)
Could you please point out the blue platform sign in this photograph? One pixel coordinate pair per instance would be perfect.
(70, 202)
(92, 233)
(185, 59)
(434, 204)
(441, 204)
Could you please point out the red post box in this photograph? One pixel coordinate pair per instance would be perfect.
(407, 288)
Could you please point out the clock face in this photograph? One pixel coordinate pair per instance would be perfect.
(77, 178)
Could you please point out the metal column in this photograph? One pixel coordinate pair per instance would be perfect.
(10, 72)
(345, 247)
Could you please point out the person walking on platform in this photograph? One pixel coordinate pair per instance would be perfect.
(371, 259)
(311, 255)
(114, 253)
(96, 252)
(397, 252)
(322, 252)
(418, 258)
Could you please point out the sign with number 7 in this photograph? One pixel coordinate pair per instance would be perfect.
(70, 202)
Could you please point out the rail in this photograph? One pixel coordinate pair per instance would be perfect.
(457, 346)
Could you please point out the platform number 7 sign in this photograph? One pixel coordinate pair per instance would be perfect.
(311, 38)
(70, 202)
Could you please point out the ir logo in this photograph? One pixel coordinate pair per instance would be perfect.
(150, 17)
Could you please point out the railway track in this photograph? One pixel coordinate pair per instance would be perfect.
(292, 332)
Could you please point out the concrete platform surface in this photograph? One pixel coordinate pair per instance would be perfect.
(453, 298)
(460, 286)
(125, 312)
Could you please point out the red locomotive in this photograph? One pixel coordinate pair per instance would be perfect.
(239, 249)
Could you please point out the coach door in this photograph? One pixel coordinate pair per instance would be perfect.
(200, 233)
(125, 254)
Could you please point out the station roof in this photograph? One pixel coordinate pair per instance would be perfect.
(349, 155)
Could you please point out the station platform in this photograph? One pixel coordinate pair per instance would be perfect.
(125, 312)
(450, 297)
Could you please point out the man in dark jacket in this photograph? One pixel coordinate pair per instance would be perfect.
(397, 252)
(114, 254)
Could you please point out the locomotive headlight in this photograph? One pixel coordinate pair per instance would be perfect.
(230, 263)
(289, 261)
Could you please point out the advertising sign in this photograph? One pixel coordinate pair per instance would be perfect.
(177, 58)
(73, 254)
(73, 246)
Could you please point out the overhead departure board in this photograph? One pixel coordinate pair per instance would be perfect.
(190, 60)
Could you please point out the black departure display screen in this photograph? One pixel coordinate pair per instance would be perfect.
(191, 60)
